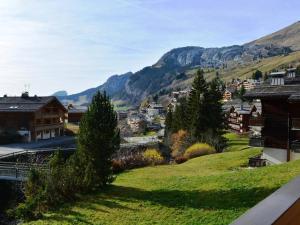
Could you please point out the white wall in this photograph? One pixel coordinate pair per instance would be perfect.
(295, 156)
(275, 155)
(46, 135)
(52, 133)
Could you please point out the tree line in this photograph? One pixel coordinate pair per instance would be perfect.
(200, 114)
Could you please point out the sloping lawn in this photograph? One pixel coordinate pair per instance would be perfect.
(236, 142)
(213, 189)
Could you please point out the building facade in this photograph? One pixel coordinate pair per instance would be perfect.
(280, 119)
(33, 118)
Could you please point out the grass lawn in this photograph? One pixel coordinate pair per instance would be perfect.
(213, 189)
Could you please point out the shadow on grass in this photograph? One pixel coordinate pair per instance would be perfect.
(68, 216)
(211, 200)
(119, 197)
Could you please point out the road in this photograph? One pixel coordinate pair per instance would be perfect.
(141, 139)
(55, 142)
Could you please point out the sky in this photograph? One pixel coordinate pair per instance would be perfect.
(73, 45)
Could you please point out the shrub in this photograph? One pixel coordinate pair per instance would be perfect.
(180, 142)
(129, 162)
(153, 157)
(118, 166)
(180, 159)
(199, 149)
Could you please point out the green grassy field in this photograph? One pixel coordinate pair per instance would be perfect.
(213, 189)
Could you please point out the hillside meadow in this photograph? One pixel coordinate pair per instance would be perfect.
(213, 189)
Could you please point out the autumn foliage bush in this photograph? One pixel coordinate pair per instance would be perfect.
(198, 149)
(180, 159)
(153, 157)
(180, 141)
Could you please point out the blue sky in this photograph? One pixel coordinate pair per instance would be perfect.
(77, 44)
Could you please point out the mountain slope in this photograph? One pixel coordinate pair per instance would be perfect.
(114, 87)
(132, 88)
(288, 37)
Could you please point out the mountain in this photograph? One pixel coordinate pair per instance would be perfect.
(114, 87)
(60, 94)
(165, 74)
(288, 37)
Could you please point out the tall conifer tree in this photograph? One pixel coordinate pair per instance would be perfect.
(98, 140)
(196, 104)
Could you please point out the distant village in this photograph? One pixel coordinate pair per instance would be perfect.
(32, 118)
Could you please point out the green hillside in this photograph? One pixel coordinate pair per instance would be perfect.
(213, 189)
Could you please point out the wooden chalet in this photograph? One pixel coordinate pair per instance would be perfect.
(75, 113)
(238, 115)
(280, 118)
(33, 118)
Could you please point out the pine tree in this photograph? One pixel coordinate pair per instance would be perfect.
(169, 121)
(215, 115)
(241, 93)
(98, 140)
(197, 111)
(298, 70)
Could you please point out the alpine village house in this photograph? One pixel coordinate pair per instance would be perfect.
(33, 118)
(277, 130)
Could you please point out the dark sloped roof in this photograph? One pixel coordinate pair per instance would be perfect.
(264, 91)
(294, 98)
(24, 104)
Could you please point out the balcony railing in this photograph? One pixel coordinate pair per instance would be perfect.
(256, 121)
(296, 124)
(281, 207)
(256, 142)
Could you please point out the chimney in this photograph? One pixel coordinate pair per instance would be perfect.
(25, 94)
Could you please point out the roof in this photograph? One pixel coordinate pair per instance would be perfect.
(24, 104)
(291, 69)
(279, 91)
(278, 74)
(294, 98)
(74, 110)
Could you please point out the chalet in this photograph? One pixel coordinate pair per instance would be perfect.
(33, 118)
(136, 123)
(75, 113)
(155, 109)
(122, 115)
(227, 96)
(280, 118)
(238, 115)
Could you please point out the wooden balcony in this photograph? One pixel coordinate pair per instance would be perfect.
(256, 121)
(296, 124)
(256, 142)
(49, 126)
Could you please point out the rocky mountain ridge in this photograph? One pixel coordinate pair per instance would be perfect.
(132, 88)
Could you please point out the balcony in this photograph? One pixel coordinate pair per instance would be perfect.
(296, 124)
(256, 142)
(256, 121)
(281, 207)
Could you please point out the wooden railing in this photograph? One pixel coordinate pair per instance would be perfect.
(281, 207)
